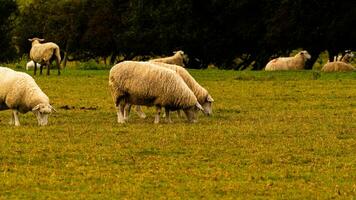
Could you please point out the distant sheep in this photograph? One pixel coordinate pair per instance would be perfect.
(31, 65)
(177, 59)
(43, 53)
(347, 57)
(20, 93)
(288, 63)
(340, 66)
(143, 83)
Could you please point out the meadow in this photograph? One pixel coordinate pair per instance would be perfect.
(278, 135)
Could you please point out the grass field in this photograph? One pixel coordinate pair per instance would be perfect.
(281, 135)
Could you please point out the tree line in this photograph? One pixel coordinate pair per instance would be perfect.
(232, 34)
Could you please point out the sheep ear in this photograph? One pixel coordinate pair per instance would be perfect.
(30, 40)
(210, 99)
(52, 108)
(36, 108)
(199, 106)
(41, 40)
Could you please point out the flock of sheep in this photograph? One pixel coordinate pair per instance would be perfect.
(163, 83)
(297, 62)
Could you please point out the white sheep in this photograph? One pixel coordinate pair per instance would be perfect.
(340, 66)
(31, 64)
(143, 83)
(177, 59)
(19, 92)
(43, 53)
(204, 98)
(296, 62)
(347, 57)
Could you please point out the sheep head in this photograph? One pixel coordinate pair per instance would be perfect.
(180, 52)
(348, 56)
(36, 40)
(182, 55)
(42, 111)
(305, 55)
(190, 112)
(207, 105)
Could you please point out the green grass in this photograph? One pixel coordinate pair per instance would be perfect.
(280, 135)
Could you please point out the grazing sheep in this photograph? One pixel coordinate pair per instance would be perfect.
(201, 93)
(31, 64)
(177, 59)
(340, 66)
(43, 53)
(288, 63)
(143, 83)
(19, 92)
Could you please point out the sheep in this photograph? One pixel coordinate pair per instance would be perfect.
(340, 66)
(43, 53)
(288, 63)
(20, 93)
(177, 59)
(31, 64)
(143, 83)
(201, 93)
(347, 57)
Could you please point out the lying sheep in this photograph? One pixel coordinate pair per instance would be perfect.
(19, 92)
(340, 66)
(177, 59)
(31, 64)
(143, 83)
(288, 63)
(201, 93)
(43, 53)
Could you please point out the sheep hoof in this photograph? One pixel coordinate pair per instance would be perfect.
(121, 121)
(142, 116)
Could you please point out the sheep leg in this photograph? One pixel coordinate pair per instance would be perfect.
(168, 116)
(59, 66)
(158, 113)
(48, 67)
(179, 114)
(120, 113)
(127, 110)
(12, 120)
(140, 113)
(41, 67)
(34, 68)
(15, 118)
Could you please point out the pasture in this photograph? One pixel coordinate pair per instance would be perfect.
(284, 135)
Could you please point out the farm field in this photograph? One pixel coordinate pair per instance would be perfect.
(279, 135)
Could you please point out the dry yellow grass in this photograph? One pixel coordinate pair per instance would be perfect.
(287, 135)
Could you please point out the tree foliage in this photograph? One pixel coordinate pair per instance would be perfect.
(7, 50)
(230, 34)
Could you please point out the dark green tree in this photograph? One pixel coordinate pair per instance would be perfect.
(7, 9)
